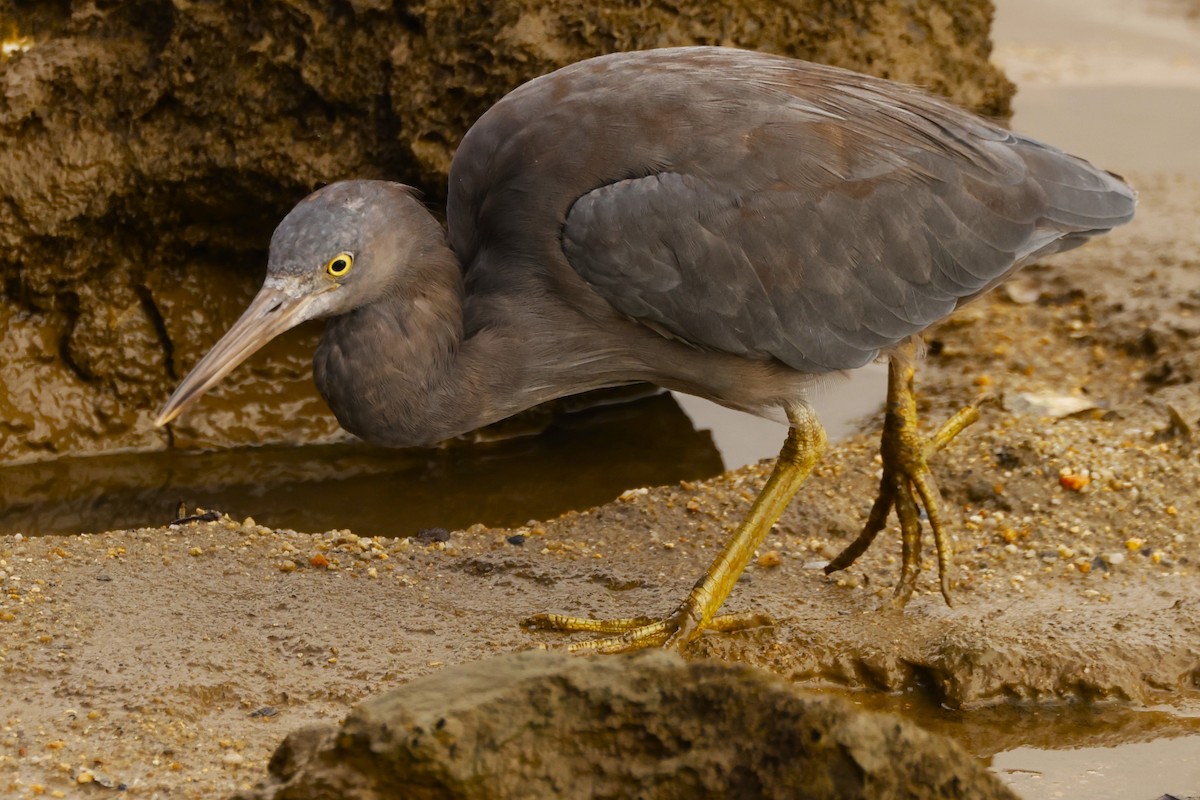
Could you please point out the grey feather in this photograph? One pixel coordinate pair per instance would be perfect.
(766, 207)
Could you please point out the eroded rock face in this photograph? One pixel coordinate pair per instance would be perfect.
(147, 150)
(539, 724)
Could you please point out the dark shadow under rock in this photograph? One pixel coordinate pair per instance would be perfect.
(539, 724)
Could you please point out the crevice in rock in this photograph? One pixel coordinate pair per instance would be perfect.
(931, 682)
(67, 304)
(160, 327)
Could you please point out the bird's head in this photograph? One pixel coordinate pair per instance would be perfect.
(342, 247)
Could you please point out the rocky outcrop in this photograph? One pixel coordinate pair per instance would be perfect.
(540, 724)
(148, 148)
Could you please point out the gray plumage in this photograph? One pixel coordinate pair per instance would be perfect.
(725, 223)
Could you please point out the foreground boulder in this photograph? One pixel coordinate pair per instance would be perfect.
(147, 149)
(650, 725)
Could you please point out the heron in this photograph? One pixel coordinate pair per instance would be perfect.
(720, 222)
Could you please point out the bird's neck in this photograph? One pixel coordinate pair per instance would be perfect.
(400, 372)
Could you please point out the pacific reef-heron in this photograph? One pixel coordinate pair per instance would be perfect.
(724, 223)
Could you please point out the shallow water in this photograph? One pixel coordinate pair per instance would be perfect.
(583, 459)
(1164, 766)
(1098, 752)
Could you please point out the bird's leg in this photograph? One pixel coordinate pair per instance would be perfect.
(907, 482)
(803, 448)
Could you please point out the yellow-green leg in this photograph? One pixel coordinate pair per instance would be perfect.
(908, 483)
(803, 448)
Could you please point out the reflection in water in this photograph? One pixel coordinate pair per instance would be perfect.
(993, 732)
(1162, 768)
(583, 459)
(1098, 751)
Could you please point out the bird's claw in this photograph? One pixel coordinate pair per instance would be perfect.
(620, 635)
(908, 486)
(674, 631)
(698, 612)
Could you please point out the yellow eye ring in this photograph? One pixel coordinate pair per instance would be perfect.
(339, 265)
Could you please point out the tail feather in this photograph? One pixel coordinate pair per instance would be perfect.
(1080, 198)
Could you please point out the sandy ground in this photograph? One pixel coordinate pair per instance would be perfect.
(171, 661)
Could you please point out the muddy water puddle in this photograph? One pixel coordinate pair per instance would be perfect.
(1097, 752)
(581, 460)
(1167, 766)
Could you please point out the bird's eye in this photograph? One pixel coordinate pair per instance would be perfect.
(339, 265)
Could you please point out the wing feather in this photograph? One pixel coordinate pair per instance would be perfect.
(759, 205)
(821, 238)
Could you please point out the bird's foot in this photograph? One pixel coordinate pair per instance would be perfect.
(908, 485)
(698, 612)
(622, 635)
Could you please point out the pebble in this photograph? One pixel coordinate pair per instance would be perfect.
(771, 558)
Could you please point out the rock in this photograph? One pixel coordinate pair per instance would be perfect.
(147, 150)
(539, 724)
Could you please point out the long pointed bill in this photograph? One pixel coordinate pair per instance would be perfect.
(270, 313)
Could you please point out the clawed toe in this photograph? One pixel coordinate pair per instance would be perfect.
(638, 632)
(908, 485)
(698, 612)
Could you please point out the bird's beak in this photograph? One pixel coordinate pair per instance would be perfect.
(273, 311)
